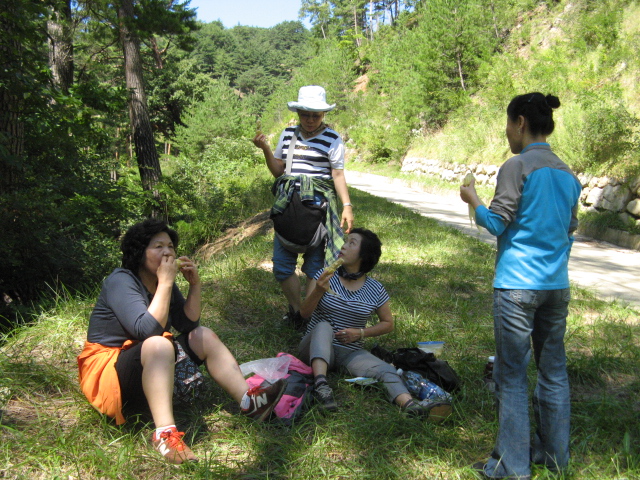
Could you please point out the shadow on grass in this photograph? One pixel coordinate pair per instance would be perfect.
(440, 286)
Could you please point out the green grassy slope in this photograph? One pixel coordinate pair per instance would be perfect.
(581, 51)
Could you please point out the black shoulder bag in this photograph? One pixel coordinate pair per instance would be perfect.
(426, 364)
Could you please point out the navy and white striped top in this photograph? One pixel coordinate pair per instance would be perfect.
(348, 309)
(314, 156)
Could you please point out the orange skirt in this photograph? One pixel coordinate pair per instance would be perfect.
(99, 379)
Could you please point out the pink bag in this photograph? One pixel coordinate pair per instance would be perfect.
(293, 403)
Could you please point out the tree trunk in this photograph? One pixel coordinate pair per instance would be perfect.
(157, 54)
(11, 139)
(370, 22)
(460, 73)
(143, 140)
(355, 26)
(495, 21)
(11, 126)
(61, 47)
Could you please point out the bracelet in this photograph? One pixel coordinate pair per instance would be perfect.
(348, 204)
(362, 334)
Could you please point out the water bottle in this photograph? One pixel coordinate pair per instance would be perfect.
(430, 392)
(488, 368)
(423, 389)
(413, 381)
(487, 376)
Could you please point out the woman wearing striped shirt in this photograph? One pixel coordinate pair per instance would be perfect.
(318, 155)
(339, 307)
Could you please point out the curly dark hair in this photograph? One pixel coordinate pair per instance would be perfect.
(370, 249)
(136, 240)
(537, 108)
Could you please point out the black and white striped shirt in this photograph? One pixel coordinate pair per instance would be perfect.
(314, 156)
(348, 309)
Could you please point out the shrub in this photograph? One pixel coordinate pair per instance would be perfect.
(209, 192)
(220, 115)
(597, 135)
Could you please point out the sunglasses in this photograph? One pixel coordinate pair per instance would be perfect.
(315, 116)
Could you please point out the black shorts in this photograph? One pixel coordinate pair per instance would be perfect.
(129, 369)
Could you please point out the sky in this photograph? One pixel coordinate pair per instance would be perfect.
(255, 13)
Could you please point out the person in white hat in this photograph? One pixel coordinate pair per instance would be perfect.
(317, 161)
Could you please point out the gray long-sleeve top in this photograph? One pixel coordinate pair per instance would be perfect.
(121, 313)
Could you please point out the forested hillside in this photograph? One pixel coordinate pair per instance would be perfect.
(110, 114)
(112, 111)
(439, 77)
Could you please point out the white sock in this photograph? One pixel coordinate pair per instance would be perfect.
(246, 401)
(159, 430)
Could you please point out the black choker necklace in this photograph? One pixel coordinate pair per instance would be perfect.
(348, 276)
(316, 131)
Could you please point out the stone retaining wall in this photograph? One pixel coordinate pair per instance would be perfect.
(598, 193)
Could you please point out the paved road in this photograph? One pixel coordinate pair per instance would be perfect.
(611, 271)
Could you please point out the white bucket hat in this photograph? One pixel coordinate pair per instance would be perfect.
(311, 98)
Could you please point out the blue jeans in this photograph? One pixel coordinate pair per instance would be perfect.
(285, 262)
(523, 318)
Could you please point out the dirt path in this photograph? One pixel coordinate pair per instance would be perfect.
(612, 272)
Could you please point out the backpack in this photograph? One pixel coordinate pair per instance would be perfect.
(295, 399)
(426, 364)
(188, 379)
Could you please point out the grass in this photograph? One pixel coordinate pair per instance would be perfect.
(440, 284)
(608, 220)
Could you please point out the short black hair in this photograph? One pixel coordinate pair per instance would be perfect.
(537, 108)
(370, 249)
(136, 240)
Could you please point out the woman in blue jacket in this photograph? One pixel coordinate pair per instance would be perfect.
(533, 215)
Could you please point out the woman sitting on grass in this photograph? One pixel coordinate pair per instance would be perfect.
(339, 307)
(128, 364)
